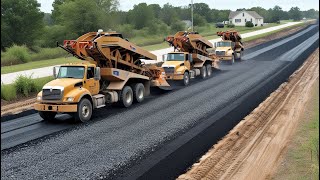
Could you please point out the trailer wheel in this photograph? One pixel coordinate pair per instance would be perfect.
(84, 110)
(47, 115)
(186, 79)
(138, 92)
(209, 70)
(203, 72)
(126, 97)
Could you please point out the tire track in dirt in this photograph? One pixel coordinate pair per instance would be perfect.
(252, 150)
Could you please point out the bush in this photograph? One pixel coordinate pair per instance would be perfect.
(177, 26)
(230, 25)
(25, 85)
(8, 92)
(249, 24)
(15, 55)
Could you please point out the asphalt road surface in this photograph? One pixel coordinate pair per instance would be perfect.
(118, 138)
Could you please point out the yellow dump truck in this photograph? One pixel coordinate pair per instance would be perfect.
(230, 48)
(189, 59)
(112, 72)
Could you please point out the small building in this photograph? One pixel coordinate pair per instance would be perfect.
(239, 18)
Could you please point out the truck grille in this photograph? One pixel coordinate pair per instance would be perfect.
(220, 53)
(168, 70)
(51, 94)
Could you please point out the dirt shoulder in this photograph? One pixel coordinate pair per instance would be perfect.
(23, 104)
(255, 147)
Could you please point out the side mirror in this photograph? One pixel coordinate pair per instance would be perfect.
(164, 57)
(190, 58)
(55, 71)
(97, 75)
(215, 44)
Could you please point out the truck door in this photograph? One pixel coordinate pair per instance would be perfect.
(90, 83)
(188, 61)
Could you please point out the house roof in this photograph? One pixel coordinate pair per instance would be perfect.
(252, 13)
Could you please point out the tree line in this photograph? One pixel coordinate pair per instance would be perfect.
(22, 22)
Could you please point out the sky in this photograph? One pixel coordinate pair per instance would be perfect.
(125, 5)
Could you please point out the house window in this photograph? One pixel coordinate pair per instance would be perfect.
(245, 20)
(242, 14)
(237, 20)
(251, 19)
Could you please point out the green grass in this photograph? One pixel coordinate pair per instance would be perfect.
(271, 32)
(23, 87)
(37, 64)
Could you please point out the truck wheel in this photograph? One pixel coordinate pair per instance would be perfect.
(126, 97)
(209, 70)
(203, 72)
(84, 110)
(186, 79)
(47, 115)
(138, 92)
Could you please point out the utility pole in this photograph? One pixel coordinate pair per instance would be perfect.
(192, 15)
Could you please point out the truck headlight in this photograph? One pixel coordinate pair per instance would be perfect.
(39, 98)
(70, 99)
(179, 72)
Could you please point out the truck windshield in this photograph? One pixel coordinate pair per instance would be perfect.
(175, 57)
(75, 72)
(223, 44)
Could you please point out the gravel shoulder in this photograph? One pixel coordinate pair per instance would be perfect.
(255, 147)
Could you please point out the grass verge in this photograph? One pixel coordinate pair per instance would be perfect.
(37, 64)
(302, 159)
(23, 87)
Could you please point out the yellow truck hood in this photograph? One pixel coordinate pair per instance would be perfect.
(223, 48)
(64, 82)
(172, 63)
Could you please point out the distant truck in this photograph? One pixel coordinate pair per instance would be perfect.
(189, 59)
(230, 47)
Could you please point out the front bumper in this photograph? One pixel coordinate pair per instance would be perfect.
(174, 76)
(56, 107)
(225, 58)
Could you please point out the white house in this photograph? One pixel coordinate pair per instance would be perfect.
(239, 18)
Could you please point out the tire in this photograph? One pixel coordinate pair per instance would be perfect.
(186, 79)
(138, 92)
(203, 72)
(241, 54)
(209, 70)
(126, 96)
(47, 115)
(84, 112)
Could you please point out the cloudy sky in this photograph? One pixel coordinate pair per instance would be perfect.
(46, 5)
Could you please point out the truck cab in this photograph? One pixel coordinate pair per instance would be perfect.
(225, 50)
(70, 92)
(183, 66)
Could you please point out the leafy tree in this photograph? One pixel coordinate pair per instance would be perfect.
(295, 13)
(202, 9)
(311, 13)
(21, 22)
(276, 14)
(81, 16)
(156, 9)
(141, 15)
(177, 26)
(199, 20)
(168, 14)
(108, 5)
